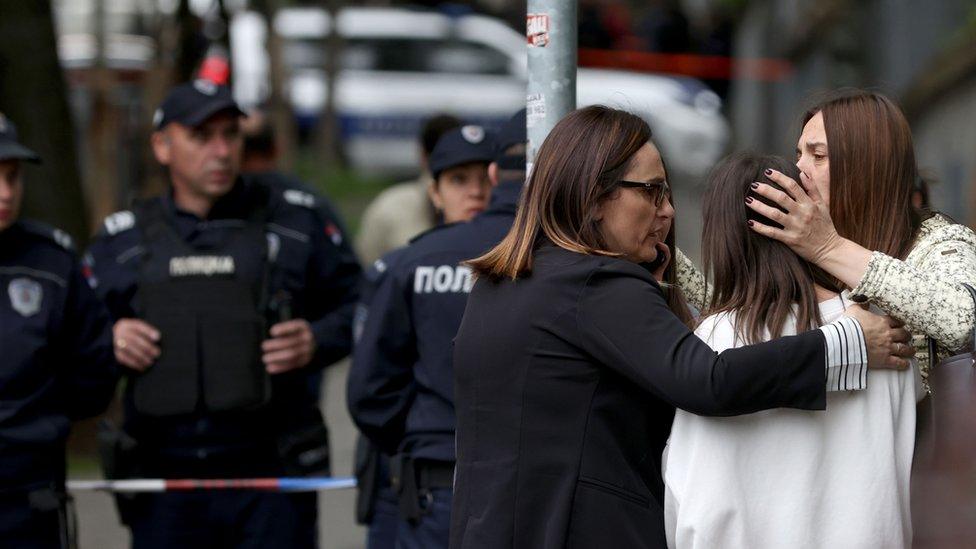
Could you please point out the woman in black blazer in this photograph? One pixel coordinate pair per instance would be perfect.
(573, 353)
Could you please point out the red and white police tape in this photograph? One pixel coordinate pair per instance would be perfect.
(283, 484)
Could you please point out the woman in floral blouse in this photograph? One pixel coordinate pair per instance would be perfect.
(862, 228)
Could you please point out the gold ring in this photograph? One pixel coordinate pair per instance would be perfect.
(120, 343)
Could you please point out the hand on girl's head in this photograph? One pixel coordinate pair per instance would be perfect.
(807, 226)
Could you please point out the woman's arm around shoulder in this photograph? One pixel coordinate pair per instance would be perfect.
(626, 326)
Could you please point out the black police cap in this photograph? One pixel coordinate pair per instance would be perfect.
(514, 132)
(193, 103)
(10, 148)
(461, 146)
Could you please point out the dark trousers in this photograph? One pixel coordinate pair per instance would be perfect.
(433, 529)
(238, 519)
(382, 532)
(24, 527)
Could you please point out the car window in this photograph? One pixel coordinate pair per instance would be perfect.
(402, 55)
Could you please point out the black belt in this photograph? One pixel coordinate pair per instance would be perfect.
(413, 479)
(435, 474)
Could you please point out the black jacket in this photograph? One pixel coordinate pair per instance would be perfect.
(56, 361)
(401, 386)
(310, 262)
(566, 384)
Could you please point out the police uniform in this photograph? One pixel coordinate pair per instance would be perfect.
(376, 501)
(334, 230)
(56, 365)
(400, 391)
(206, 408)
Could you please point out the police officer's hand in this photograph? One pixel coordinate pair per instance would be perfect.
(136, 343)
(291, 346)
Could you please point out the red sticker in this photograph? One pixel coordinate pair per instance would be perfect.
(537, 29)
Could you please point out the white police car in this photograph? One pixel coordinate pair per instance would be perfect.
(399, 66)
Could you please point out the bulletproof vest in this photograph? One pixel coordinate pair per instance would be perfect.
(208, 305)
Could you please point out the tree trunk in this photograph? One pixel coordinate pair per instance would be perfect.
(34, 95)
(330, 142)
(101, 182)
(192, 45)
(162, 75)
(278, 108)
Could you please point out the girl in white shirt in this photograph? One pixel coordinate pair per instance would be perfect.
(785, 478)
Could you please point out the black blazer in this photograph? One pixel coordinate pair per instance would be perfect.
(565, 385)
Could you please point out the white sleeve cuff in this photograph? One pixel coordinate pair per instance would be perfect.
(847, 355)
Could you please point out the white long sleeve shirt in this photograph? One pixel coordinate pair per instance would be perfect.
(791, 478)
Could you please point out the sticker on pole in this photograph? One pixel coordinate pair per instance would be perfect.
(537, 29)
(535, 109)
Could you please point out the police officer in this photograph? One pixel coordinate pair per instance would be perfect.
(376, 502)
(402, 211)
(400, 390)
(227, 294)
(56, 362)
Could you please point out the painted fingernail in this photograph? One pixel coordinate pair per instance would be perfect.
(748, 200)
(755, 185)
(750, 223)
(768, 171)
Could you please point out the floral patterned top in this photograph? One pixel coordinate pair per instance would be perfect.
(923, 291)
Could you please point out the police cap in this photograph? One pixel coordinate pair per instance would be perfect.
(10, 148)
(192, 103)
(514, 132)
(461, 146)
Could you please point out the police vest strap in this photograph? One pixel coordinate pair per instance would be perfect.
(152, 220)
(259, 218)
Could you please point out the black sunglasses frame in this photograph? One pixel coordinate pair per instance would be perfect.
(664, 189)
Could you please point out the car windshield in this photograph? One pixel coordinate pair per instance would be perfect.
(402, 55)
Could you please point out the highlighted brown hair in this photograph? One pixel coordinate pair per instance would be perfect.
(872, 170)
(576, 169)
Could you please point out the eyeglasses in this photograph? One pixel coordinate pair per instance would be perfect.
(657, 190)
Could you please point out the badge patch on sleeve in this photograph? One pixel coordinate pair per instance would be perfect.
(25, 296)
(334, 234)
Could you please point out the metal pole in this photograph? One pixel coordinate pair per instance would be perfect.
(551, 34)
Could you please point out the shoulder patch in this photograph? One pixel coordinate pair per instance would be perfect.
(332, 231)
(120, 221)
(63, 239)
(57, 236)
(299, 198)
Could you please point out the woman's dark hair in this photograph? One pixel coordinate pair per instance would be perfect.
(576, 169)
(872, 170)
(758, 278)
